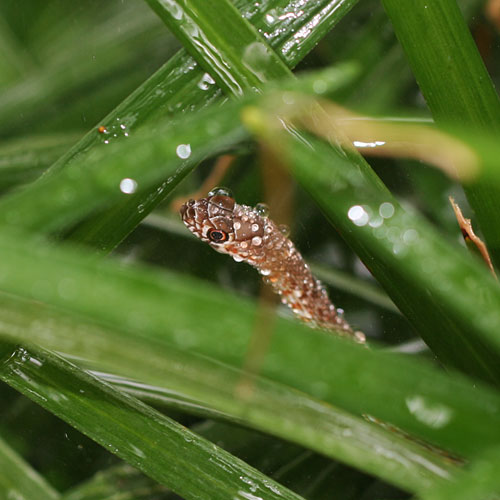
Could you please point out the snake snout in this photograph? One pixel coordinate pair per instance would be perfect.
(187, 211)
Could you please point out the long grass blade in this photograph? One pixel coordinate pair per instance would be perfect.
(19, 480)
(163, 449)
(455, 83)
(153, 314)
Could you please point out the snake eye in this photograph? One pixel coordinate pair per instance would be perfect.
(217, 236)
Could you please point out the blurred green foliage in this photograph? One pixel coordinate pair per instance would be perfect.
(102, 357)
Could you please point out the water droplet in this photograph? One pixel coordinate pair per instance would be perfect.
(358, 215)
(237, 258)
(288, 98)
(255, 227)
(271, 17)
(253, 486)
(237, 225)
(360, 337)
(183, 151)
(386, 210)
(376, 221)
(256, 240)
(284, 230)
(221, 191)
(410, 236)
(375, 144)
(399, 249)
(35, 361)
(434, 415)
(262, 209)
(128, 186)
(244, 244)
(265, 272)
(205, 82)
(175, 11)
(319, 86)
(257, 57)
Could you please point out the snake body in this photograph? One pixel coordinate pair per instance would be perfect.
(247, 234)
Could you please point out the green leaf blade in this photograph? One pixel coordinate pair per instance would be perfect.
(19, 479)
(238, 63)
(163, 449)
(159, 308)
(455, 83)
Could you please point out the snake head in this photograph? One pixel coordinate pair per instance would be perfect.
(211, 220)
(227, 227)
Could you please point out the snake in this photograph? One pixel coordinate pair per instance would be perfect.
(247, 234)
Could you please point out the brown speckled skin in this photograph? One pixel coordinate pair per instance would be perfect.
(247, 236)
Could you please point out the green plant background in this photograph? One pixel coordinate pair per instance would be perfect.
(125, 342)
